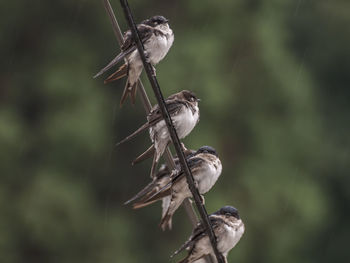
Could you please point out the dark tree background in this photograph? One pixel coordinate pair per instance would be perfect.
(273, 77)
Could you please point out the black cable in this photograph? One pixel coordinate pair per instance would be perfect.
(177, 144)
(147, 106)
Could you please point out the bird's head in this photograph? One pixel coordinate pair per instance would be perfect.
(189, 96)
(156, 21)
(207, 149)
(228, 211)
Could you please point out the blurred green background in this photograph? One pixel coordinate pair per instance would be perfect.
(273, 77)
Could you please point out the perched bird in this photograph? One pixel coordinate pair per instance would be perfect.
(184, 112)
(161, 179)
(205, 167)
(157, 38)
(228, 229)
(166, 200)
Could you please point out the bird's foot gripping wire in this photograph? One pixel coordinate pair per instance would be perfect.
(153, 71)
(147, 56)
(148, 60)
(202, 199)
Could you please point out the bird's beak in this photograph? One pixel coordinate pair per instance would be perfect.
(167, 21)
(198, 100)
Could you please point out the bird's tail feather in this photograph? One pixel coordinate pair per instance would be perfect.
(154, 164)
(130, 89)
(169, 225)
(120, 73)
(133, 93)
(142, 193)
(116, 60)
(134, 134)
(165, 221)
(162, 192)
(143, 204)
(125, 93)
(153, 198)
(165, 206)
(159, 150)
(166, 224)
(147, 154)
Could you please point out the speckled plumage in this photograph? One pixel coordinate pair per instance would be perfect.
(228, 228)
(184, 112)
(157, 38)
(205, 167)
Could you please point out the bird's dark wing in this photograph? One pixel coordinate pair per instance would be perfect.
(193, 163)
(154, 117)
(159, 181)
(197, 234)
(173, 106)
(152, 197)
(115, 61)
(165, 190)
(145, 32)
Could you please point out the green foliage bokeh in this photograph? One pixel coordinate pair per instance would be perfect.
(273, 77)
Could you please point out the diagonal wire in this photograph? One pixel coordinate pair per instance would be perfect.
(177, 144)
(147, 106)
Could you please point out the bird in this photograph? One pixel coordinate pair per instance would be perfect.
(161, 179)
(228, 228)
(157, 38)
(184, 112)
(206, 168)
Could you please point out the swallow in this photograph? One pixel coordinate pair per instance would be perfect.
(161, 179)
(184, 112)
(206, 168)
(166, 200)
(228, 229)
(157, 38)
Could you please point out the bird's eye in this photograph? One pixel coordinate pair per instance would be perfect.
(227, 215)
